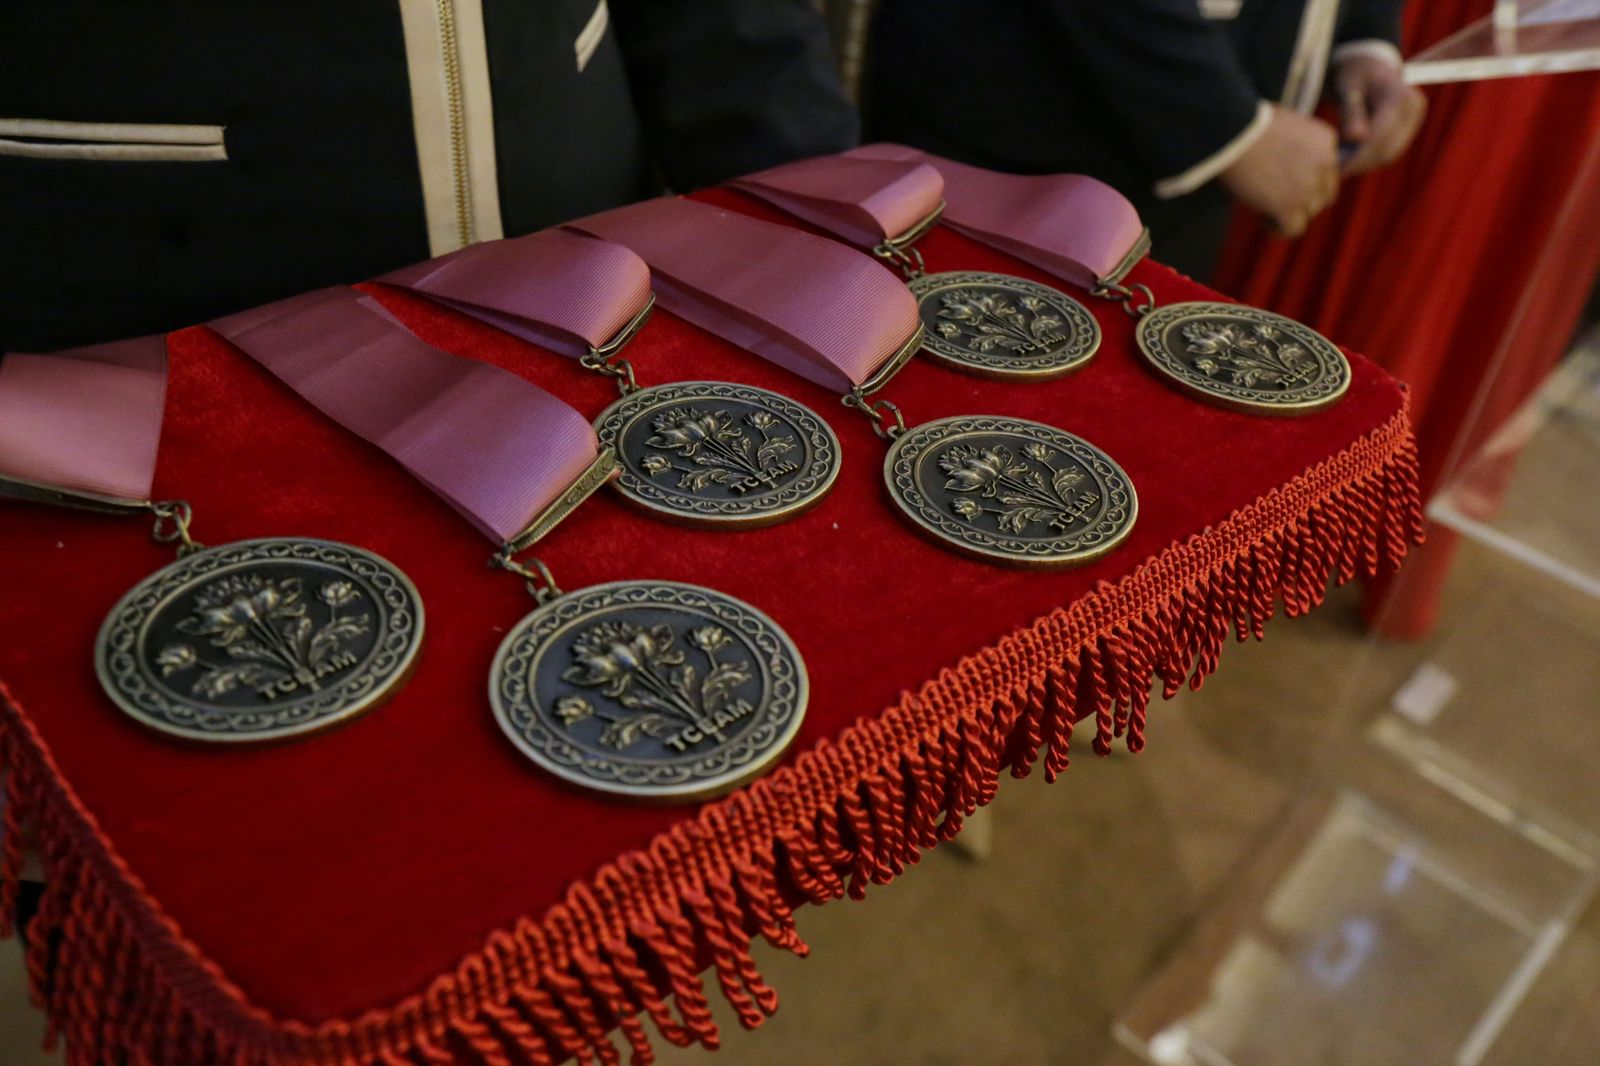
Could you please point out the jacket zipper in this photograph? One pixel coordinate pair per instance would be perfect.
(458, 122)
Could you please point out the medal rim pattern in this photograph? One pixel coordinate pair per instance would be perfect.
(389, 665)
(899, 472)
(548, 750)
(810, 488)
(1153, 327)
(1075, 357)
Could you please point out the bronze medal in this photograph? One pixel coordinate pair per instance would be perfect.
(260, 640)
(1001, 326)
(718, 454)
(651, 690)
(1244, 358)
(1010, 490)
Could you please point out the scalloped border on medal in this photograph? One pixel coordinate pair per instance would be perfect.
(139, 678)
(1227, 385)
(1034, 445)
(799, 491)
(537, 732)
(1079, 332)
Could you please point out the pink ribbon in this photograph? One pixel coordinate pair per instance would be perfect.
(1079, 229)
(1070, 225)
(827, 313)
(556, 289)
(85, 420)
(863, 201)
(497, 448)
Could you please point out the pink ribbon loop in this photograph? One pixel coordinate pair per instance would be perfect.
(495, 447)
(1079, 229)
(87, 420)
(555, 289)
(863, 201)
(828, 313)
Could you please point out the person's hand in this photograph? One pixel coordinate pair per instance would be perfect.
(1290, 173)
(1380, 113)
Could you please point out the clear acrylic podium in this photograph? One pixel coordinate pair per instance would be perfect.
(1406, 907)
(1518, 37)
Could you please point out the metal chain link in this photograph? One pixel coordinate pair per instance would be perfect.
(907, 259)
(1126, 295)
(888, 427)
(535, 575)
(618, 369)
(172, 526)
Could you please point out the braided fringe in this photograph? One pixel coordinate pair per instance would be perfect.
(120, 983)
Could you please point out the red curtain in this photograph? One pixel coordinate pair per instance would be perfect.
(1463, 268)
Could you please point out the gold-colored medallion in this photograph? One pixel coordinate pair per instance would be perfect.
(1244, 358)
(1010, 490)
(653, 691)
(260, 640)
(1000, 326)
(718, 454)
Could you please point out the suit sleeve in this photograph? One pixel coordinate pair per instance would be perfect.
(1369, 20)
(1167, 76)
(725, 87)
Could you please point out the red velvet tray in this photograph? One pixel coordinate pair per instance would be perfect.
(406, 888)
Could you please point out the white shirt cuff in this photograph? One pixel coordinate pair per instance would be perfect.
(1374, 47)
(1218, 161)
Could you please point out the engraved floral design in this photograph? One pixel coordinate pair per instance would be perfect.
(1027, 488)
(1250, 356)
(574, 709)
(264, 627)
(644, 672)
(984, 321)
(710, 639)
(715, 447)
(966, 507)
(337, 593)
(175, 657)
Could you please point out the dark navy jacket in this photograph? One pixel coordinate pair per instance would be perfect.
(168, 161)
(1130, 91)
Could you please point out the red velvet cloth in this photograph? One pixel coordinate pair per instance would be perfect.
(1464, 266)
(341, 872)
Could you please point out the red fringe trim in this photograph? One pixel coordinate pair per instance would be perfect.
(120, 983)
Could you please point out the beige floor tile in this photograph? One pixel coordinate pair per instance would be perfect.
(21, 1027)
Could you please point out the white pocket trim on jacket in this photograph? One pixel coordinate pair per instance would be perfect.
(124, 141)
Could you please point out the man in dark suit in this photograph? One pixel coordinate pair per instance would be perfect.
(165, 162)
(1180, 104)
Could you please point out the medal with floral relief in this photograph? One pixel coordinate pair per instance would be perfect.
(260, 640)
(1001, 326)
(652, 690)
(718, 454)
(1009, 490)
(1244, 358)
